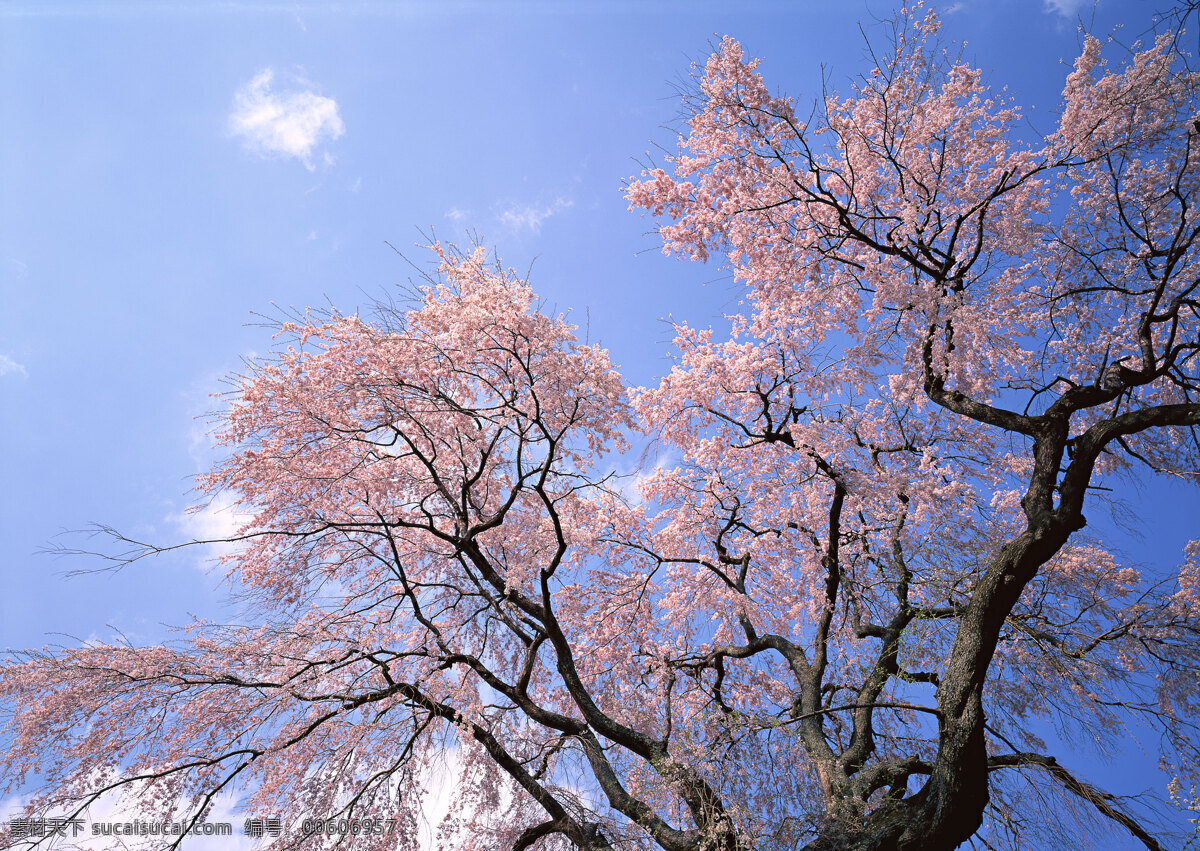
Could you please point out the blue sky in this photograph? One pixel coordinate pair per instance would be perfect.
(167, 170)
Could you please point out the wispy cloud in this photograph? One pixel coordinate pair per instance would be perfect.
(8, 366)
(216, 524)
(288, 120)
(1066, 8)
(219, 519)
(20, 267)
(530, 217)
(456, 215)
(632, 478)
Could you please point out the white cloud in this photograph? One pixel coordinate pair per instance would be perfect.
(8, 366)
(457, 215)
(290, 121)
(631, 479)
(114, 808)
(20, 267)
(216, 522)
(438, 802)
(530, 217)
(1066, 8)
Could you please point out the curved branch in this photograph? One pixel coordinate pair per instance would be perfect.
(1104, 802)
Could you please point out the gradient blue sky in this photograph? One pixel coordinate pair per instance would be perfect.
(140, 230)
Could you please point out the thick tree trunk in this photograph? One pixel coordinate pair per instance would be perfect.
(949, 808)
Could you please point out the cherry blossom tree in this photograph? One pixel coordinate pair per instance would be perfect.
(847, 610)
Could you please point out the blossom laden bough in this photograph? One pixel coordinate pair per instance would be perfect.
(839, 617)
